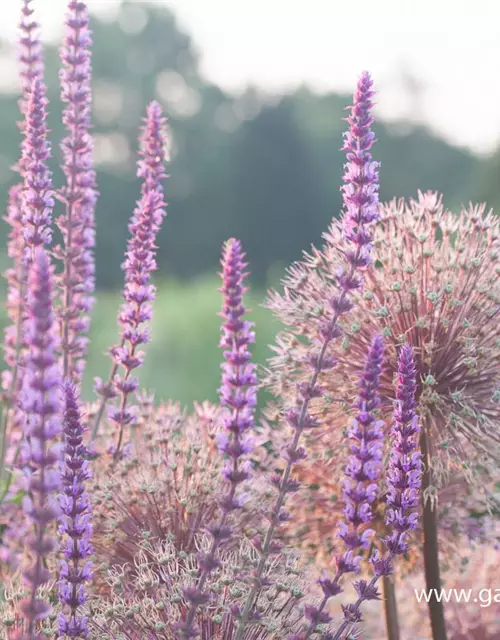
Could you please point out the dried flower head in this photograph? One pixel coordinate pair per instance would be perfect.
(170, 491)
(12, 621)
(149, 601)
(434, 284)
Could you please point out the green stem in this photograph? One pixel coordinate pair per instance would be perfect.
(391, 608)
(431, 547)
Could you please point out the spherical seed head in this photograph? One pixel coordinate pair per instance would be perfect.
(156, 597)
(151, 514)
(433, 284)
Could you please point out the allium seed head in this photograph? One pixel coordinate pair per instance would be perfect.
(433, 284)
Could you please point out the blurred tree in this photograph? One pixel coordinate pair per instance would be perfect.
(266, 170)
(489, 182)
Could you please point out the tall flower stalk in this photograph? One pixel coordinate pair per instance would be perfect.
(31, 70)
(404, 479)
(75, 521)
(360, 488)
(139, 292)
(40, 455)
(360, 194)
(239, 394)
(37, 196)
(79, 194)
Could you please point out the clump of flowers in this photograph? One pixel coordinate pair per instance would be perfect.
(187, 536)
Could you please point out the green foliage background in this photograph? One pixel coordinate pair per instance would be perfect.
(266, 170)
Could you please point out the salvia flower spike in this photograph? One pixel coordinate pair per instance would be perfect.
(31, 69)
(40, 455)
(360, 486)
(404, 478)
(238, 394)
(139, 293)
(360, 195)
(37, 199)
(79, 195)
(75, 525)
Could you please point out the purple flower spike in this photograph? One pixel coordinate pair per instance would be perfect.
(360, 195)
(360, 486)
(361, 172)
(79, 196)
(139, 264)
(404, 475)
(30, 58)
(363, 467)
(30, 55)
(75, 521)
(31, 69)
(38, 195)
(41, 406)
(403, 478)
(238, 394)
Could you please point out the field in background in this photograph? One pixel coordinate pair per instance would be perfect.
(183, 358)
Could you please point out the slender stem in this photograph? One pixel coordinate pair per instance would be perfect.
(104, 401)
(431, 548)
(391, 608)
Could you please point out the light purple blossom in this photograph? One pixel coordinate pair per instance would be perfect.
(360, 195)
(139, 292)
(360, 487)
(37, 197)
(40, 453)
(79, 195)
(404, 480)
(404, 475)
(362, 471)
(31, 70)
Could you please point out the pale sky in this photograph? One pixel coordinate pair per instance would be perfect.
(452, 47)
